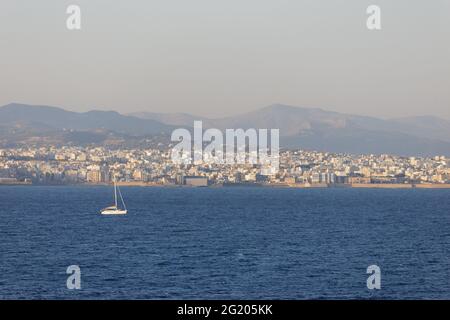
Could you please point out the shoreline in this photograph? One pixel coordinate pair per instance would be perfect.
(256, 185)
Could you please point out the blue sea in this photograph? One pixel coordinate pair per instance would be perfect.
(224, 243)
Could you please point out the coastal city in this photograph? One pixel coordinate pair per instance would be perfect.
(49, 165)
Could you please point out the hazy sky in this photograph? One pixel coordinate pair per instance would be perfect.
(222, 57)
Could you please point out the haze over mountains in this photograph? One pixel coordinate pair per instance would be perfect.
(308, 128)
(20, 123)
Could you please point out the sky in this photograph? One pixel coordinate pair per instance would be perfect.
(218, 58)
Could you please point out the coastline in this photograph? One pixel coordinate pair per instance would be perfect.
(257, 185)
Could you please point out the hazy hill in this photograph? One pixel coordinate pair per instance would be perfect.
(426, 126)
(56, 118)
(310, 128)
(21, 123)
(315, 128)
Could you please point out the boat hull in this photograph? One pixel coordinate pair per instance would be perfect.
(113, 212)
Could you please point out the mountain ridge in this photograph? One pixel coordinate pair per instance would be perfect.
(279, 115)
(300, 127)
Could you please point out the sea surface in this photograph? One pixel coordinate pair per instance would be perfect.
(224, 243)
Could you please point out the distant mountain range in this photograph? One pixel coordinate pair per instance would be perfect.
(21, 123)
(308, 128)
(317, 129)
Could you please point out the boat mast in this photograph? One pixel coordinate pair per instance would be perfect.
(121, 198)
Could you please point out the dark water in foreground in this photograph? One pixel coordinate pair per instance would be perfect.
(239, 243)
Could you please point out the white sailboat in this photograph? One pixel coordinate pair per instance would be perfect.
(115, 210)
